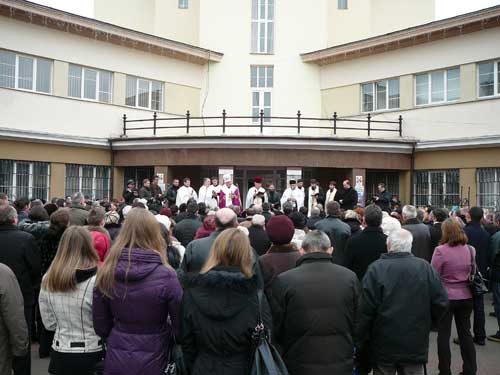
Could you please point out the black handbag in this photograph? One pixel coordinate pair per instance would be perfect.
(267, 360)
(176, 365)
(476, 280)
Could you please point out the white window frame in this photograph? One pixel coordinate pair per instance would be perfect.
(480, 196)
(261, 92)
(34, 75)
(342, 4)
(264, 21)
(98, 79)
(496, 70)
(94, 179)
(183, 4)
(429, 87)
(30, 180)
(374, 88)
(150, 82)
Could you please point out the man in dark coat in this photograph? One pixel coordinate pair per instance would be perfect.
(480, 240)
(349, 196)
(314, 309)
(338, 231)
(266, 211)
(258, 236)
(440, 215)
(383, 198)
(145, 191)
(78, 213)
(367, 247)
(130, 193)
(274, 198)
(185, 231)
(421, 246)
(403, 298)
(20, 253)
(495, 276)
(172, 192)
(314, 218)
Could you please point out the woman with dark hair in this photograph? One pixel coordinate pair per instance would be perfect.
(173, 253)
(37, 223)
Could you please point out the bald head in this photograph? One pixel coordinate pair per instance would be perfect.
(226, 218)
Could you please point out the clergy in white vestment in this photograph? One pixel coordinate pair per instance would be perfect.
(213, 191)
(229, 194)
(293, 195)
(205, 194)
(332, 194)
(315, 196)
(256, 194)
(185, 193)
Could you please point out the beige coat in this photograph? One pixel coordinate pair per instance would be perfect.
(78, 215)
(13, 330)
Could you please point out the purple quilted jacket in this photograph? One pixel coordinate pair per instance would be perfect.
(134, 323)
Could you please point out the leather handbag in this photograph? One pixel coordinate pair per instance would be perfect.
(476, 280)
(267, 360)
(176, 365)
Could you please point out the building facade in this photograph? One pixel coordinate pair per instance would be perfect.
(350, 68)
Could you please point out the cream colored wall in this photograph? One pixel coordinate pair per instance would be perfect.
(468, 81)
(406, 92)
(60, 85)
(468, 184)
(119, 88)
(158, 17)
(57, 178)
(343, 100)
(179, 99)
(367, 18)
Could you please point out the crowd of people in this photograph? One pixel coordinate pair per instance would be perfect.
(114, 286)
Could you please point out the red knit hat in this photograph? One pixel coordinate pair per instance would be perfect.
(280, 230)
(166, 212)
(258, 180)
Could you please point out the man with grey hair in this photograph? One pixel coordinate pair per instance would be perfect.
(314, 310)
(314, 218)
(21, 254)
(78, 213)
(421, 246)
(402, 299)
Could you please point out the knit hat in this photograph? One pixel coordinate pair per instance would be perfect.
(258, 180)
(166, 212)
(280, 230)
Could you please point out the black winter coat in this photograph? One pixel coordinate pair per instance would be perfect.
(314, 311)
(436, 234)
(259, 239)
(338, 232)
(171, 195)
(349, 199)
(48, 248)
(384, 200)
(219, 313)
(19, 251)
(130, 195)
(480, 240)
(185, 231)
(364, 249)
(403, 298)
(355, 226)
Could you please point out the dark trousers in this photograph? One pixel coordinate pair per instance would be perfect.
(460, 310)
(479, 318)
(495, 288)
(74, 363)
(22, 365)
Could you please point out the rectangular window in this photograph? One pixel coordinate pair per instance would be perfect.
(488, 78)
(437, 87)
(262, 26)
(144, 93)
(25, 72)
(390, 179)
(341, 4)
(93, 181)
(437, 188)
(488, 188)
(380, 95)
(183, 4)
(25, 179)
(88, 83)
(261, 82)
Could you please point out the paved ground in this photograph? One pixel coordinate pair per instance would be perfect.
(488, 357)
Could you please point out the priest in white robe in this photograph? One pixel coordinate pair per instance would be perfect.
(185, 193)
(293, 195)
(257, 194)
(204, 194)
(229, 194)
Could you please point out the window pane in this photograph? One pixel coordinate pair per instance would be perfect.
(255, 99)
(270, 9)
(156, 96)
(143, 93)
(267, 99)
(262, 76)
(381, 88)
(43, 75)
(437, 86)
(183, 4)
(270, 76)
(486, 79)
(6, 174)
(367, 97)
(90, 83)
(267, 113)
(453, 84)
(255, 37)
(25, 73)
(262, 9)
(342, 4)
(22, 179)
(253, 76)
(104, 86)
(422, 89)
(7, 69)
(270, 37)
(130, 91)
(262, 37)
(255, 9)
(394, 93)
(75, 81)
(40, 180)
(87, 181)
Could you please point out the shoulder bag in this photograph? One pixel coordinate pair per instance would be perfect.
(476, 281)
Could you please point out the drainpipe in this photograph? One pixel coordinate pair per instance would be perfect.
(112, 174)
(412, 172)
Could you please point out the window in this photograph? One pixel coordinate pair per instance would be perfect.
(341, 4)
(437, 87)
(25, 179)
(489, 79)
(93, 181)
(262, 26)
(25, 72)
(436, 188)
(91, 84)
(380, 95)
(138, 174)
(488, 188)
(144, 93)
(373, 178)
(261, 82)
(183, 4)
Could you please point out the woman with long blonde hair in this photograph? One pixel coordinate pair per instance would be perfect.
(220, 309)
(66, 305)
(137, 299)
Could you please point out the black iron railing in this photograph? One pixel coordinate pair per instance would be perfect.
(262, 122)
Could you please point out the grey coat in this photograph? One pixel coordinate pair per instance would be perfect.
(13, 328)
(338, 232)
(78, 215)
(421, 246)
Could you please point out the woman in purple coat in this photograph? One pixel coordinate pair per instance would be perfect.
(137, 299)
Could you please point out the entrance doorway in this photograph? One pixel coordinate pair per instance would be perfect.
(244, 178)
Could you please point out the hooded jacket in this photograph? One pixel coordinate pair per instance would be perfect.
(135, 322)
(220, 312)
